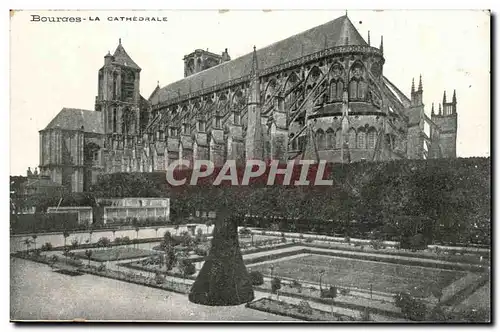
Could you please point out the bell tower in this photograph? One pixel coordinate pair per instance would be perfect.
(118, 93)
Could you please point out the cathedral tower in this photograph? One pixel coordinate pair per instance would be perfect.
(446, 120)
(118, 93)
(415, 139)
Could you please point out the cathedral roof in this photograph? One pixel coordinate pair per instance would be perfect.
(122, 58)
(75, 119)
(330, 34)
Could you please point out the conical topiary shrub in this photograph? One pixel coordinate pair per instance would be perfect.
(223, 279)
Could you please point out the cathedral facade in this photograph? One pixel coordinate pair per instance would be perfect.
(318, 95)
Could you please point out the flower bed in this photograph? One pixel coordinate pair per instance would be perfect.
(175, 272)
(140, 280)
(112, 274)
(466, 259)
(303, 312)
(115, 254)
(395, 313)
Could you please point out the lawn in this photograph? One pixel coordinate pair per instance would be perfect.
(342, 272)
(117, 253)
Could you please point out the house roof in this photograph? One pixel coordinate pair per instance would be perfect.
(331, 34)
(75, 119)
(122, 58)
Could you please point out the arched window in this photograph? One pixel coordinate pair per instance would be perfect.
(333, 90)
(237, 118)
(338, 139)
(336, 89)
(320, 139)
(361, 140)
(217, 121)
(353, 89)
(361, 89)
(357, 86)
(330, 139)
(114, 120)
(371, 139)
(115, 79)
(352, 138)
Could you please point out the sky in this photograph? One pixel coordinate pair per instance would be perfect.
(55, 65)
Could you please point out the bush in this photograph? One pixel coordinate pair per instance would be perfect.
(305, 308)
(309, 240)
(47, 246)
(330, 293)
(347, 239)
(344, 291)
(376, 244)
(410, 307)
(283, 240)
(101, 268)
(187, 268)
(257, 278)
(275, 285)
(200, 252)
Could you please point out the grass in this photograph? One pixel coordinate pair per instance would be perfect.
(113, 254)
(384, 277)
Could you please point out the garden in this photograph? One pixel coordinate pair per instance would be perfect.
(361, 274)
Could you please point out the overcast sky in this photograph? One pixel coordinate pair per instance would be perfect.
(55, 65)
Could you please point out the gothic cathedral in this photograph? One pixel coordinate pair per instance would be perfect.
(318, 95)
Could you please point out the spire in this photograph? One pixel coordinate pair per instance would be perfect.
(432, 110)
(444, 97)
(412, 86)
(369, 44)
(381, 44)
(454, 100)
(440, 112)
(420, 84)
(158, 83)
(346, 13)
(255, 66)
(119, 41)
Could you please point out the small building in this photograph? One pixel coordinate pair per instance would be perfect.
(121, 210)
(85, 215)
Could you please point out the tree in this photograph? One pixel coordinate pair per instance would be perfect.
(156, 231)
(27, 243)
(137, 229)
(34, 236)
(170, 257)
(88, 253)
(74, 244)
(187, 268)
(47, 246)
(276, 286)
(65, 235)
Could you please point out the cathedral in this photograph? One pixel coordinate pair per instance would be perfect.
(318, 95)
